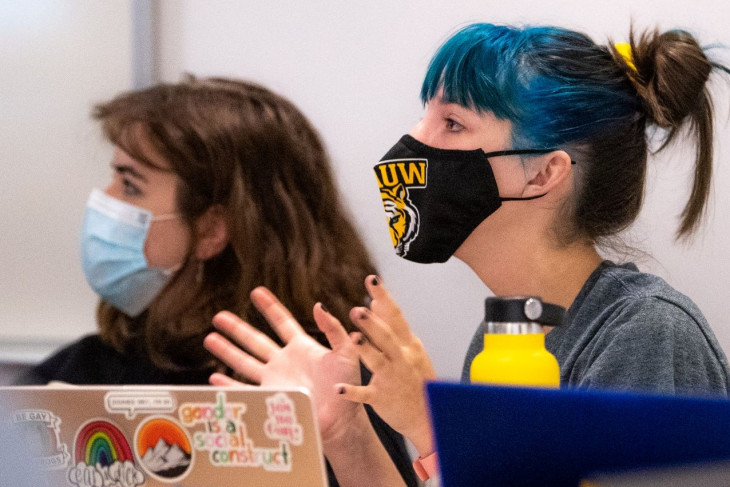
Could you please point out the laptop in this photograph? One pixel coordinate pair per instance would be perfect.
(508, 436)
(132, 436)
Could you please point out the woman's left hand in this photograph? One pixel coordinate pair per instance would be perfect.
(302, 362)
(400, 367)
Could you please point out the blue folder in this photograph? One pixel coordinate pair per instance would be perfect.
(507, 436)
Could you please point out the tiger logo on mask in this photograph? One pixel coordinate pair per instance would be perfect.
(395, 178)
(402, 217)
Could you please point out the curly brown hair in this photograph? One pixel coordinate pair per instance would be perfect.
(236, 145)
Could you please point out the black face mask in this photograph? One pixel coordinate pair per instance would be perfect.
(434, 198)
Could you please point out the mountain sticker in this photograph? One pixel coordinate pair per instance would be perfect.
(163, 448)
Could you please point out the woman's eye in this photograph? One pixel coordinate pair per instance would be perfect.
(122, 177)
(453, 126)
(130, 189)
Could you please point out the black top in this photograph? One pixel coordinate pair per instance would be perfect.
(89, 361)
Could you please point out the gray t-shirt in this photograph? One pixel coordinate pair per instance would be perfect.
(629, 330)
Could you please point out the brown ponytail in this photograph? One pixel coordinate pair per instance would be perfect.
(670, 73)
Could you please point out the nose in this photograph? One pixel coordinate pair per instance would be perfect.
(109, 190)
(113, 190)
(421, 132)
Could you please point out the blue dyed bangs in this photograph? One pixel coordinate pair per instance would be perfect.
(555, 86)
(472, 68)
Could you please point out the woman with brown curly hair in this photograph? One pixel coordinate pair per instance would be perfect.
(219, 186)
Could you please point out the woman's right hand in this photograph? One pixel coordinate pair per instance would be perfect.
(399, 364)
(302, 362)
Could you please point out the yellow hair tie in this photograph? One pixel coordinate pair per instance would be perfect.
(624, 48)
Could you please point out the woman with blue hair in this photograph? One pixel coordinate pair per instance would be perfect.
(532, 154)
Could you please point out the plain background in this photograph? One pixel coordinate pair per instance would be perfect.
(57, 58)
(354, 68)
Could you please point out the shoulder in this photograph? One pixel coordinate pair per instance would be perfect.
(80, 362)
(634, 300)
(88, 346)
(91, 361)
(627, 281)
(659, 321)
(633, 330)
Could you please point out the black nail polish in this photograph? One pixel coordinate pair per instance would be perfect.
(341, 390)
(363, 316)
(361, 340)
(324, 308)
(375, 281)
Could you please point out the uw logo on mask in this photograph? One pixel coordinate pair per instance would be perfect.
(396, 177)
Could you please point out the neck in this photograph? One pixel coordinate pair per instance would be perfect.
(538, 268)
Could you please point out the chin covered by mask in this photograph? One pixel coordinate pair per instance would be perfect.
(112, 254)
(435, 198)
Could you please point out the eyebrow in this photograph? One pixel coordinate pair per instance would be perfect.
(125, 169)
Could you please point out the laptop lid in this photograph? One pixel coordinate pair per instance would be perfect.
(541, 437)
(198, 436)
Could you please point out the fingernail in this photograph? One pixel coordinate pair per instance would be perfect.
(341, 390)
(363, 315)
(324, 308)
(361, 340)
(375, 281)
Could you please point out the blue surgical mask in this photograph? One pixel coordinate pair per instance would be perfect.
(112, 252)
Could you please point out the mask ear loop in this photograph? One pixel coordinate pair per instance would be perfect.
(526, 198)
(172, 270)
(165, 217)
(514, 152)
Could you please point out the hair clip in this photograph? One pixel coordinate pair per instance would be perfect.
(624, 49)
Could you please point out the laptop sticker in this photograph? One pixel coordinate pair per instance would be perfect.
(42, 430)
(225, 438)
(131, 403)
(163, 448)
(103, 458)
(282, 421)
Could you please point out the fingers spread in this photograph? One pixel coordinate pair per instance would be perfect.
(234, 357)
(385, 307)
(331, 327)
(280, 319)
(251, 339)
(377, 331)
(370, 356)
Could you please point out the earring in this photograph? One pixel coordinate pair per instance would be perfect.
(200, 273)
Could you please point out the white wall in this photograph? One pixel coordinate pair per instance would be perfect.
(56, 59)
(355, 69)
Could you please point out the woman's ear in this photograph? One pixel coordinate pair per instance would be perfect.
(553, 169)
(211, 230)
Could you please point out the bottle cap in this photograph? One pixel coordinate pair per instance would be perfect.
(519, 309)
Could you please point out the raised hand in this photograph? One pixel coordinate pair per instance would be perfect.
(400, 367)
(302, 362)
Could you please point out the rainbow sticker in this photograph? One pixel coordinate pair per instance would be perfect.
(100, 442)
(163, 448)
(103, 457)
